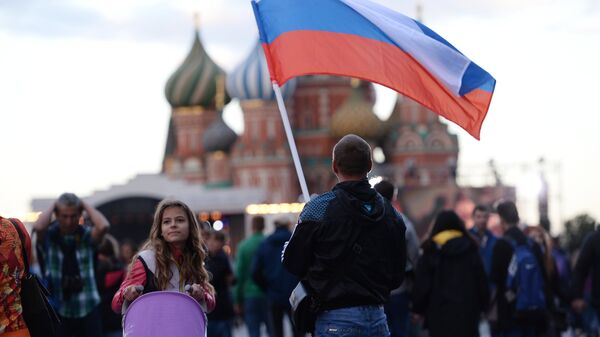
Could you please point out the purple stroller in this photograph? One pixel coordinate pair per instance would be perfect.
(164, 314)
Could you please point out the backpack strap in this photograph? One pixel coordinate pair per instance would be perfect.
(149, 260)
(528, 242)
(514, 244)
(511, 273)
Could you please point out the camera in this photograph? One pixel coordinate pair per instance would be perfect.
(71, 284)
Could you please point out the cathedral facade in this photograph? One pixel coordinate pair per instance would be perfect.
(219, 173)
(202, 148)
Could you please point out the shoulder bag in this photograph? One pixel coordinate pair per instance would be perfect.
(40, 317)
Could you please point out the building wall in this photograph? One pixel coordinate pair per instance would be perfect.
(187, 160)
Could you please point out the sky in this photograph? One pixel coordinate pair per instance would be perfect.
(82, 104)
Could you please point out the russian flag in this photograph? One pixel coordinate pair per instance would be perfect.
(360, 38)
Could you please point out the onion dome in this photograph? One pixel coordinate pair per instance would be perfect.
(356, 116)
(394, 121)
(251, 80)
(219, 136)
(194, 83)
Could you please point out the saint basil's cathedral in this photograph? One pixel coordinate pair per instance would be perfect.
(202, 148)
(228, 178)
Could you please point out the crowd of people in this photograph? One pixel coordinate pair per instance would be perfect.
(353, 262)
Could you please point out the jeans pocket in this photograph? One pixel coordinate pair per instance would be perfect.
(380, 330)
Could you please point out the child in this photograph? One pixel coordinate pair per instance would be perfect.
(175, 243)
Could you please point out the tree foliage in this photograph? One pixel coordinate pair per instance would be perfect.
(576, 230)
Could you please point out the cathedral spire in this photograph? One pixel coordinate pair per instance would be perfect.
(420, 11)
(197, 21)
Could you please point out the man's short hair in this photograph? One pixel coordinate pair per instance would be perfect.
(282, 222)
(352, 155)
(258, 223)
(386, 189)
(507, 211)
(481, 208)
(69, 200)
(219, 236)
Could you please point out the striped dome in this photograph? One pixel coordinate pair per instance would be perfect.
(251, 80)
(356, 116)
(194, 83)
(219, 136)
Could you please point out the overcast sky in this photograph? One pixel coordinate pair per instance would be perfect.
(82, 104)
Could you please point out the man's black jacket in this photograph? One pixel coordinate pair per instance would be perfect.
(327, 223)
(589, 258)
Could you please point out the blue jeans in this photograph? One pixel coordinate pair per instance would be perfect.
(397, 313)
(363, 321)
(218, 328)
(255, 313)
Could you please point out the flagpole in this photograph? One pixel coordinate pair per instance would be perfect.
(291, 142)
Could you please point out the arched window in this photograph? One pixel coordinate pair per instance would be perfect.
(192, 165)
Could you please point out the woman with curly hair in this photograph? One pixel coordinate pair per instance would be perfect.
(172, 258)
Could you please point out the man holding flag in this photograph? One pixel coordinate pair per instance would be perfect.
(361, 39)
(348, 249)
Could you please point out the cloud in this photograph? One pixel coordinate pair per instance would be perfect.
(46, 18)
(158, 21)
(440, 11)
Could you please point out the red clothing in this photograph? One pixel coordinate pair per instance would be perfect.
(137, 276)
(12, 270)
(19, 333)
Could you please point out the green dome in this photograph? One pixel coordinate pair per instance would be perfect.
(356, 116)
(194, 83)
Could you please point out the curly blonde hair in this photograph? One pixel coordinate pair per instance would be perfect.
(194, 252)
